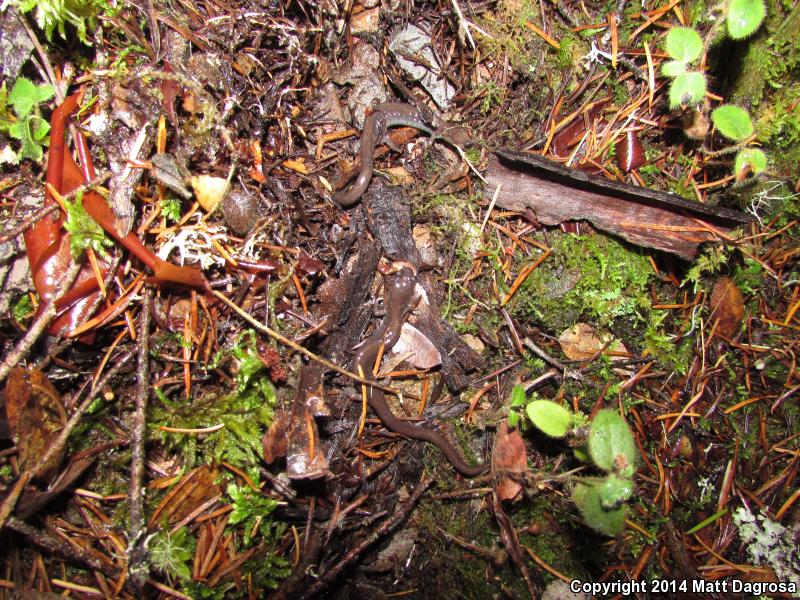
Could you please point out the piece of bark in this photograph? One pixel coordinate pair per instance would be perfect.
(554, 193)
(304, 456)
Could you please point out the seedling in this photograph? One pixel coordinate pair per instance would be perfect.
(684, 46)
(24, 122)
(609, 445)
(84, 231)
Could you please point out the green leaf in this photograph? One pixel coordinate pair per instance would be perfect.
(25, 95)
(744, 17)
(513, 419)
(684, 44)
(23, 308)
(84, 231)
(586, 497)
(732, 122)
(553, 419)
(518, 396)
(611, 443)
(749, 159)
(40, 129)
(614, 491)
(673, 68)
(30, 147)
(687, 88)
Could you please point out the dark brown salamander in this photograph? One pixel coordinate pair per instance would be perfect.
(386, 115)
(399, 294)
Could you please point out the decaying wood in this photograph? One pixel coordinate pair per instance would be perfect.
(304, 456)
(390, 223)
(554, 193)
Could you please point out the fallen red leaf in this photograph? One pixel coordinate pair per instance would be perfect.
(509, 461)
(727, 306)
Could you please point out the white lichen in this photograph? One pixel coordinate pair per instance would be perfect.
(770, 543)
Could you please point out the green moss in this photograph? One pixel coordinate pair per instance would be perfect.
(245, 413)
(594, 277)
(778, 128)
(770, 58)
(558, 547)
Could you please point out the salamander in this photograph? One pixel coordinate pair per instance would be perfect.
(399, 295)
(386, 115)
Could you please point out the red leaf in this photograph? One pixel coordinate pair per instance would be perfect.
(509, 459)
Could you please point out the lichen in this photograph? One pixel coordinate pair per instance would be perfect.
(769, 542)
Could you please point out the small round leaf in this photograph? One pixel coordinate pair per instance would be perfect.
(749, 161)
(614, 491)
(553, 419)
(673, 68)
(518, 396)
(586, 497)
(684, 44)
(732, 122)
(687, 88)
(611, 443)
(744, 17)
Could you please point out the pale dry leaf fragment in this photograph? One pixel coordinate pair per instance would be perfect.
(416, 349)
(400, 175)
(582, 342)
(366, 21)
(209, 190)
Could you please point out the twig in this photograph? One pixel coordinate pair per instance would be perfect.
(137, 555)
(552, 361)
(24, 346)
(400, 514)
(297, 347)
(27, 221)
(60, 442)
(463, 26)
(58, 548)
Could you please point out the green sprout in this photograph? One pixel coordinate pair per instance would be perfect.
(25, 123)
(732, 122)
(611, 447)
(84, 231)
(688, 88)
(744, 17)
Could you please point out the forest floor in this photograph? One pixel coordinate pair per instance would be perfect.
(547, 349)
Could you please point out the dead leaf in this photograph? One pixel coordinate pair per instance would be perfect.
(727, 306)
(509, 459)
(33, 500)
(416, 349)
(580, 342)
(209, 191)
(274, 440)
(35, 415)
(400, 176)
